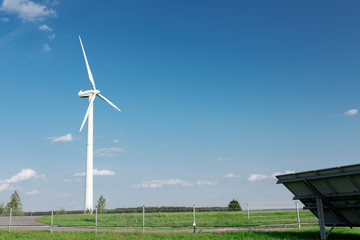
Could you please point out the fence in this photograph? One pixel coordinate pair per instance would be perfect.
(269, 215)
(194, 219)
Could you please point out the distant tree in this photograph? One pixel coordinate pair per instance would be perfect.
(2, 209)
(61, 211)
(101, 205)
(15, 204)
(234, 205)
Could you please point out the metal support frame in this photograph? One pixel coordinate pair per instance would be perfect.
(320, 210)
(333, 226)
(327, 196)
(320, 214)
(337, 206)
(317, 176)
(329, 205)
(321, 192)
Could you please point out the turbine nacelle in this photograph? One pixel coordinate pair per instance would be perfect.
(87, 93)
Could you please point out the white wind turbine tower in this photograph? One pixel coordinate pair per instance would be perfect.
(91, 94)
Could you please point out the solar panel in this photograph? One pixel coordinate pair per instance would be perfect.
(338, 189)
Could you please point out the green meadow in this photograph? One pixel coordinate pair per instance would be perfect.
(264, 225)
(337, 234)
(185, 219)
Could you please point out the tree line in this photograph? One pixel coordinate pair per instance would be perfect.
(101, 205)
(17, 210)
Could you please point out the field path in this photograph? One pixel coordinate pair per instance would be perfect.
(30, 223)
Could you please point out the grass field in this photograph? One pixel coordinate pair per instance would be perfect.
(337, 234)
(185, 219)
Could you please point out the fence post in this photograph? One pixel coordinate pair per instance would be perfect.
(298, 215)
(10, 219)
(194, 224)
(248, 210)
(96, 218)
(143, 218)
(52, 220)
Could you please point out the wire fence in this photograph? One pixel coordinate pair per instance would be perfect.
(142, 219)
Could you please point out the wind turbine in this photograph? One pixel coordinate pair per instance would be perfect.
(91, 94)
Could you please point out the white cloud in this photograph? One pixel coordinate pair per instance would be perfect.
(55, 2)
(23, 175)
(47, 48)
(5, 20)
(280, 173)
(115, 141)
(204, 182)
(4, 186)
(27, 10)
(34, 192)
(51, 37)
(45, 28)
(97, 172)
(67, 138)
(103, 172)
(171, 182)
(108, 152)
(258, 177)
(73, 180)
(351, 112)
(161, 183)
(231, 175)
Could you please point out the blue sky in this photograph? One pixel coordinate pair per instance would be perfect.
(216, 98)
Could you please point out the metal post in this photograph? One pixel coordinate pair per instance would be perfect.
(248, 210)
(96, 216)
(194, 224)
(320, 213)
(10, 219)
(52, 220)
(143, 218)
(298, 215)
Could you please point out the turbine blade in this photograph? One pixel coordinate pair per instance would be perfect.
(88, 110)
(87, 66)
(106, 100)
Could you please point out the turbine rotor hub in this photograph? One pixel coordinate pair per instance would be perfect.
(87, 93)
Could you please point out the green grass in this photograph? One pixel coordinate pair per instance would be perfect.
(184, 219)
(338, 233)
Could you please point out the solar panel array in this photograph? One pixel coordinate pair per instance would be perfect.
(338, 188)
